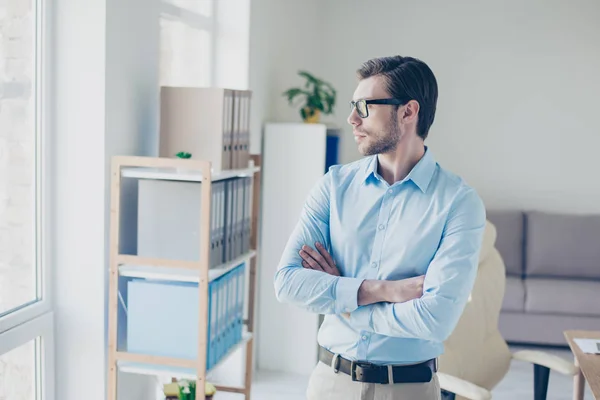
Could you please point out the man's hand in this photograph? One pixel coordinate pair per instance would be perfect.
(319, 260)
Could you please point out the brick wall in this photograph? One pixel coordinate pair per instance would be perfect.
(17, 166)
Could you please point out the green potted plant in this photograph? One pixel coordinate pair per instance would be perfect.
(186, 390)
(318, 97)
(183, 155)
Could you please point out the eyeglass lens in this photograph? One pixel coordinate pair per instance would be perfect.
(361, 108)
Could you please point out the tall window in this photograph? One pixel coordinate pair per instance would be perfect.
(186, 42)
(26, 341)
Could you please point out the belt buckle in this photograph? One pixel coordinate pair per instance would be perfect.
(353, 371)
(353, 365)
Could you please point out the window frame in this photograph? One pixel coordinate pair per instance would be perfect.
(43, 303)
(35, 320)
(40, 329)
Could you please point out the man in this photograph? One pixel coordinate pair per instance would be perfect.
(387, 247)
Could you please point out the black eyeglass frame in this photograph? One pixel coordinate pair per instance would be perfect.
(396, 102)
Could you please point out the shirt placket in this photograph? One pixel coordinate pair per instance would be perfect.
(382, 225)
(375, 261)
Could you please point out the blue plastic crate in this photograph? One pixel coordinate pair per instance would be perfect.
(162, 317)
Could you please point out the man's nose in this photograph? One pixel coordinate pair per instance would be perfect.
(353, 118)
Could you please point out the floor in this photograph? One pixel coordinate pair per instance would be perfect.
(517, 385)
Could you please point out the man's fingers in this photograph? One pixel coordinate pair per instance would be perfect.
(319, 260)
(306, 257)
(316, 256)
(331, 264)
(311, 261)
(325, 254)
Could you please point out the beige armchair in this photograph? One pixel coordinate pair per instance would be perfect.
(476, 356)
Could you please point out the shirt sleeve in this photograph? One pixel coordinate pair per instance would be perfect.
(447, 286)
(314, 291)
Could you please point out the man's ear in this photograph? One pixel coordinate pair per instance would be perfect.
(411, 112)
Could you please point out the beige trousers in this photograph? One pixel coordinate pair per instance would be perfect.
(325, 384)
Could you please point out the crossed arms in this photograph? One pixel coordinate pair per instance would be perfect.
(307, 277)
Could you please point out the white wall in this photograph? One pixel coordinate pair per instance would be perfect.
(107, 103)
(284, 38)
(132, 110)
(132, 93)
(79, 201)
(518, 81)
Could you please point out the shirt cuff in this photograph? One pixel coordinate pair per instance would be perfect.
(346, 294)
(361, 319)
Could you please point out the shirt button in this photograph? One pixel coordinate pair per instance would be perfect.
(391, 191)
(381, 227)
(364, 338)
(374, 265)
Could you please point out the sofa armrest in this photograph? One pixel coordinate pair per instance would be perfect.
(547, 360)
(463, 388)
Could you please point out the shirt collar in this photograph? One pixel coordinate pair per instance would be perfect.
(371, 168)
(421, 174)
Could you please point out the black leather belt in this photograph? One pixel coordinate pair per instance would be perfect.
(372, 373)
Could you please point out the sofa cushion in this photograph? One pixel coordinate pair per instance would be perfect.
(510, 235)
(562, 245)
(546, 329)
(514, 295)
(562, 296)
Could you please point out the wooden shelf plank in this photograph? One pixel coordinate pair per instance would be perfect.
(230, 389)
(142, 367)
(126, 259)
(158, 360)
(180, 174)
(156, 370)
(181, 274)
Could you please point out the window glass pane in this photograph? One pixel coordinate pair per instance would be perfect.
(185, 43)
(232, 43)
(18, 284)
(201, 7)
(18, 373)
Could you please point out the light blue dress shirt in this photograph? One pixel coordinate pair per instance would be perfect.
(429, 223)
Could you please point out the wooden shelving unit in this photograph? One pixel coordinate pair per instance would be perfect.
(123, 265)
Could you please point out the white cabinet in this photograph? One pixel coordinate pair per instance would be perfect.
(293, 160)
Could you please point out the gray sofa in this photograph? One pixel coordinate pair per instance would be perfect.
(552, 274)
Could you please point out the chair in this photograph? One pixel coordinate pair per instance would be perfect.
(476, 357)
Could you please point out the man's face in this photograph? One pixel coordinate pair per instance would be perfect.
(379, 132)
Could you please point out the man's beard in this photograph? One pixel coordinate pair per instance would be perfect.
(383, 142)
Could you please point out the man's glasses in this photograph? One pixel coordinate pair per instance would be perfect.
(362, 109)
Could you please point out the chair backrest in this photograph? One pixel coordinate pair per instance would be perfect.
(476, 351)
